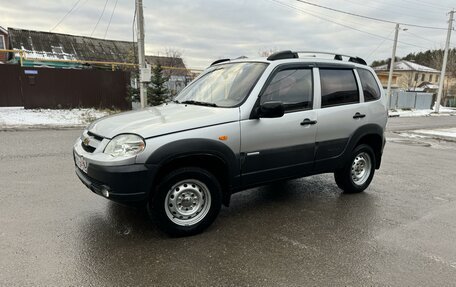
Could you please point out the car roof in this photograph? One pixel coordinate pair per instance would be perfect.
(317, 61)
(312, 58)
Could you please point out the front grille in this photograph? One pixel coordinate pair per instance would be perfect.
(97, 137)
(88, 148)
(90, 141)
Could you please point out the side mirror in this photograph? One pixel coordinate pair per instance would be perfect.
(271, 110)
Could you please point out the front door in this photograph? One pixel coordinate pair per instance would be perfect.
(274, 148)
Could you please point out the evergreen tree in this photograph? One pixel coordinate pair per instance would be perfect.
(157, 93)
(379, 63)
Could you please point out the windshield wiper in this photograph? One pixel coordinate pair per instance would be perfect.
(192, 102)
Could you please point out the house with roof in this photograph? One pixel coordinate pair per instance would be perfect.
(3, 44)
(57, 50)
(408, 75)
(174, 69)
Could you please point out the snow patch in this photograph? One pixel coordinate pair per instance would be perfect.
(18, 116)
(448, 133)
(444, 111)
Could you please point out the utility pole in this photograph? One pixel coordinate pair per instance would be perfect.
(393, 58)
(141, 55)
(445, 60)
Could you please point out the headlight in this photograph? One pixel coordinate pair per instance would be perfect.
(125, 145)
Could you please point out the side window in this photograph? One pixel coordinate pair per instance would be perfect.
(292, 87)
(370, 86)
(2, 42)
(338, 87)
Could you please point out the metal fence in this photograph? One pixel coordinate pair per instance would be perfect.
(411, 100)
(451, 102)
(63, 88)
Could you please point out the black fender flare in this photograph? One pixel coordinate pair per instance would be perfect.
(365, 130)
(191, 147)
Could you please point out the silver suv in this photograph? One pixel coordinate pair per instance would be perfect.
(242, 123)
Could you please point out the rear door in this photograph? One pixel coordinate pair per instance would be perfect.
(340, 115)
(273, 148)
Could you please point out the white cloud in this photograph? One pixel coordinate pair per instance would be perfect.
(207, 30)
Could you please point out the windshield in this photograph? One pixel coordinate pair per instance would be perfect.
(223, 85)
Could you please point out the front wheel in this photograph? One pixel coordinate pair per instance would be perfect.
(186, 201)
(358, 173)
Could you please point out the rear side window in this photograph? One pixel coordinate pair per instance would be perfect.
(338, 87)
(370, 86)
(291, 87)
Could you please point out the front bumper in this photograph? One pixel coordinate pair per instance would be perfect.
(125, 184)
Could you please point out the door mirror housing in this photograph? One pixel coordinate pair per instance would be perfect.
(273, 109)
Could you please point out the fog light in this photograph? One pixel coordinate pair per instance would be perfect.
(105, 192)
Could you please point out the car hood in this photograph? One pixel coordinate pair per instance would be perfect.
(164, 119)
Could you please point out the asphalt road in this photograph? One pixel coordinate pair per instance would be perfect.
(401, 232)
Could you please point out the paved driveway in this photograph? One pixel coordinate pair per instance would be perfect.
(54, 232)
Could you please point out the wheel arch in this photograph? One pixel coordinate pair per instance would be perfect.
(211, 155)
(370, 134)
(375, 141)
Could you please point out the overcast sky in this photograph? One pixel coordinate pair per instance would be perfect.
(205, 30)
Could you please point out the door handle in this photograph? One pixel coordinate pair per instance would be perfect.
(358, 116)
(308, 122)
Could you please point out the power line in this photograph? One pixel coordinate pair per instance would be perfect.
(420, 37)
(368, 17)
(429, 4)
(364, 4)
(68, 13)
(101, 16)
(408, 8)
(343, 25)
(381, 44)
(110, 18)
(355, 22)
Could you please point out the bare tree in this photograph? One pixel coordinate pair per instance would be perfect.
(266, 52)
(175, 69)
(436, 61)
(407, 81)
(175, 57)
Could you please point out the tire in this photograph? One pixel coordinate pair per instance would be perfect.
(356, 176)
(186, 201)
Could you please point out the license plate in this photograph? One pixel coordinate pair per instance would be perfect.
(81, 162)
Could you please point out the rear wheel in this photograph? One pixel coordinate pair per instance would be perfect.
(358, 173)
(186, 201)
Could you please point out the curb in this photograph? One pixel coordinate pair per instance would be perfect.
(427, 136)
(40, 127)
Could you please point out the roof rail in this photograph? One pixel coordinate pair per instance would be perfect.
(294, 54)
(220, 61)
(337, 56)
(283, 55)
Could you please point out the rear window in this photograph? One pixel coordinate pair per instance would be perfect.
(338, 87)
(370, 87)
